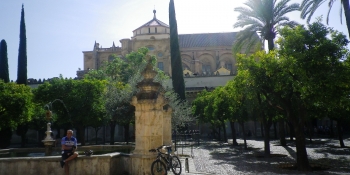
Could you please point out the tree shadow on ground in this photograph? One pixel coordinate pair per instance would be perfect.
(328, 150)
(246, 161)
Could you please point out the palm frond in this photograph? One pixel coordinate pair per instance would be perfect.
(287, 9)
(330, 5)
(309, 7)
(247, 22)
(340, 13)
(289, 24)
(246, 41)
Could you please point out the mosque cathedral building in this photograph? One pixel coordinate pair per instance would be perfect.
(207, 58)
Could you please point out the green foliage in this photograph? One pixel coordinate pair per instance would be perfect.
(22, 52)
(182, 112)
(4, 67)
(176, 62)
(316, 67)
(263, 17)
(16, 106)
(122, 76)
(80, 102)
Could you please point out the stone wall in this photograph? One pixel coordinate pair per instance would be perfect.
(108, 164)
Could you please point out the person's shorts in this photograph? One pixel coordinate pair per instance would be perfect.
(65, 155)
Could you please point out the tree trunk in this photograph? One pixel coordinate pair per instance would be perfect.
(254, 128)
(271, 44)
(282, 133)
(347, 14)
(244, 135)
(22, 131)
(104, 135)
(331, 131)
(41, 136)
(262, 129)
(298, 124)
(126, 133)
(224, 129)
(112, 124)
(275, 129)
(310, 131)
(291, 131)
(81, 134)
(96, 131)
(302, 159)
(267, 125)
(5, 134)
(233, 131)
(340, 133)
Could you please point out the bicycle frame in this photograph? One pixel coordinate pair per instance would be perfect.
(167, 160)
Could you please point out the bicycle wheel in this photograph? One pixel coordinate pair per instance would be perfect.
(158, 168)
(175, 165)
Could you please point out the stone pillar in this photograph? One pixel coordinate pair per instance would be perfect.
(149, 121)
(167, 126)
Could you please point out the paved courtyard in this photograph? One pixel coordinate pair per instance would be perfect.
(222, 159)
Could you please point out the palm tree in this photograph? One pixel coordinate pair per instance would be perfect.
(308, 8)
(263, 17)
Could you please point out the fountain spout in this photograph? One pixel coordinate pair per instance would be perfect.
(49, 141)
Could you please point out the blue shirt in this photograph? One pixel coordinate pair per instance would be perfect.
(69, 143)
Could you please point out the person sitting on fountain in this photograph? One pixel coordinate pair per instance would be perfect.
(69, 145)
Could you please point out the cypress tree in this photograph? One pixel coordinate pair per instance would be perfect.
(22, 52)
(4, 66)
(22, 71)
(176, 62)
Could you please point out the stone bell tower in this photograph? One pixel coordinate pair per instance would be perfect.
(152, 122)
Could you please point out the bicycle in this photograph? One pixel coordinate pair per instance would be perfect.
(165, 162)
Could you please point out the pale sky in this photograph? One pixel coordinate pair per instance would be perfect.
(59, 30)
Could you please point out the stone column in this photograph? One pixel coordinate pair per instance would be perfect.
(149, 121)
(167, 126)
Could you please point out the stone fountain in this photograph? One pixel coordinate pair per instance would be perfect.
(152, 121)
(48, 141)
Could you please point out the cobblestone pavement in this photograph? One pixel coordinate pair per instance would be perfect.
(224, 159)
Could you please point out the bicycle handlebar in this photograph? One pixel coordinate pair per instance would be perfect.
(161, 147)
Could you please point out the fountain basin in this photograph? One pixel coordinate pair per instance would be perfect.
(109, 164)
(56, 151)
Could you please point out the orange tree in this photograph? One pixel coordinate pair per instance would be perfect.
(255, 79)
(80, 103)
(16, 107)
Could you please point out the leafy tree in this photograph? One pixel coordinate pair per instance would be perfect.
(39, 122)
(176, 62)
(309, 7)
(263, 17)
(16, 108)
(122, 76)
(182, 111)
(305, 85)
(4, 67)
(22, 52)
(257, 84)
(203, 108)
(77, 103)
(15, 104)
(22, 71)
